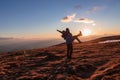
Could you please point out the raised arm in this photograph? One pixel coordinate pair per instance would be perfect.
(59, 31)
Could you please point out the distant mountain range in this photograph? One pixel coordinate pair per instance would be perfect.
(6, 38)
(12, 44)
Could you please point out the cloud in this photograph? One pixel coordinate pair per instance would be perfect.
(84, 20)
(93, 9)
(72, 18)
(68, 18)
(78, 7)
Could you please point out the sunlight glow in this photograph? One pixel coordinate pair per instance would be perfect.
(93, 24)
(86, 32)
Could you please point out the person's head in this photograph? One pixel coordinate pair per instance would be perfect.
(67, 30)
(63, 31)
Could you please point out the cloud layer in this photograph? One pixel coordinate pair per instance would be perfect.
(68, 18)
(94, 9)
(72, 18)
(84, 20)
(78, 7)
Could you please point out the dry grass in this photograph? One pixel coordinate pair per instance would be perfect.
(90, 61)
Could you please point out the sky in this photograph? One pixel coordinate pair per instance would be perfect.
(41, 18)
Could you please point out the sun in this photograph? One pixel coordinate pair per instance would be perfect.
(86, 32)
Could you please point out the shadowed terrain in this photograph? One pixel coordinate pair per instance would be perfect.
(90, 61)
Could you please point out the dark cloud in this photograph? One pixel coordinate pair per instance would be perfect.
(93, 9)
(84, 20)
(78, 7)
(68, 18)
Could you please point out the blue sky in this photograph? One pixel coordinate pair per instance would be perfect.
(41, 18)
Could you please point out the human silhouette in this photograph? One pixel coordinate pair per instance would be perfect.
(69, 39)
(75, 37)
(63, 33)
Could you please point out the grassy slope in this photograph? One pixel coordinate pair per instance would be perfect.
(91, 61)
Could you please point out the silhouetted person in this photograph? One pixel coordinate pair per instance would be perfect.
(63, 33)
(75, 37)
(69, 40)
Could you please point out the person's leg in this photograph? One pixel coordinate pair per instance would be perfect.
(71, 50)
(80, 34)
(78, 40)
(68, 50)
(76, 37)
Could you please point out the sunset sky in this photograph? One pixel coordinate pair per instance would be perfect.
(41, 18)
